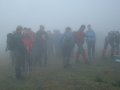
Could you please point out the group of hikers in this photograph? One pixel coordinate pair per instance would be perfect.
(28, 48)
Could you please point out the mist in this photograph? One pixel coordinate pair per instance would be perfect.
(103, 15)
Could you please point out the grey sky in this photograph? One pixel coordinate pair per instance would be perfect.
(103, 14)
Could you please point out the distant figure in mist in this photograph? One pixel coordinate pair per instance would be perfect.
(112, 39)
(50, 44)
(19, 52)
(90, 40)
(56, 43)
(79, 39)
(67, 46)
(41, 46)
(10, 47)
(28, 40)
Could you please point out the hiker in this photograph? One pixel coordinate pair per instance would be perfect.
(10, 47)
(90, 40)
(79, 39)
(28, 40)
(19, 51)
(113, 39)
(67, 46)
(106, 43)
(50, 44)
(56, 43)
(41, 46)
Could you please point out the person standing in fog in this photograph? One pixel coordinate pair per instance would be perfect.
(10, 47)
(28, 39)
(90, 40)
(67, 46)
(56, 43)
(50, 44)
(41, 46)
(19, 51)
(79, 39)
(112, 39)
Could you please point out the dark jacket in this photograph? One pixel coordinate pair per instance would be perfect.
(19, 45)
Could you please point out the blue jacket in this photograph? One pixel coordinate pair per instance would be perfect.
(90, 36)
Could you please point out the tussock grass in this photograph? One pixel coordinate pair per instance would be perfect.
(99, 75)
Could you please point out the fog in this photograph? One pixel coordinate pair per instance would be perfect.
(45, 63)
(103, 15)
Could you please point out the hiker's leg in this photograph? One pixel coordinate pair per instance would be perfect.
(77, 55)
(93, 50)
(68, 51)
(18, 65)
(89, 50)
(64, 56)
(45, 57)
(112, 51)
(29, 61)
(84, 54)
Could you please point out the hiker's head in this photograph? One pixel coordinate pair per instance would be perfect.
(56, 31)
(29, 29)
(68, 29)
(110, 33)
(42, 27)
(19, 29)
(89, 27)
(82, 28)
(9, 35)
(24, 29)
(49, 32)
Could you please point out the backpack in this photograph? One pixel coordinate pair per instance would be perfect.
(68, 41)
(114, 37)
(10, 41)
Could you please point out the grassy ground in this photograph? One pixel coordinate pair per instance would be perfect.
(98, 75)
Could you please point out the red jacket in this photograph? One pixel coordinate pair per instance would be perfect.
(28, 39)
(79, 37)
